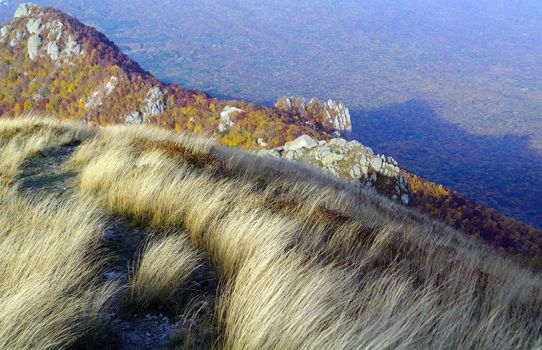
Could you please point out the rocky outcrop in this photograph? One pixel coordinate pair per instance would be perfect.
(153, 103)
(53, 51)
(72, 47)
(339, 115)
(335, 115)
(101, 92)
(351, 161)
(134, 118)
(45, 38)
(33, 45)
(226, 120)
(25, 9)
(3, 34)
(33, 26)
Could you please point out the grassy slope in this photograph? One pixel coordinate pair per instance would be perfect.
(303, 260)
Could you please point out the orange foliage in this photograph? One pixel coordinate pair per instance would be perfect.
(475, 219)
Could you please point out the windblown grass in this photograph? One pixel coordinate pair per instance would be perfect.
(305, 261)
(22, 138)
(312, 265)
(50, 256)
(49, 260)
(164, 267)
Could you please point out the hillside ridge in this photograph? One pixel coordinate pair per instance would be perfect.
(51, 63)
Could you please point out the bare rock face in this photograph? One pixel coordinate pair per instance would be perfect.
(226, 120)
(45, 37)
(72, 47)
(55, 29)
(53, 51)
(351, 161)
(134, 118)
(334, 115)
(153, 103)
(25, 9)
(4, 31)
(339, 115)
(33, 46)
(34, 25)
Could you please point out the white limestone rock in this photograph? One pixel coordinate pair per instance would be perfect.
(33, 46)
(348, 160)
(4, 32)
(53, 51)
(72, 48)
(226, 120)
(24, 10)
(335, 114)
(110, 85)
(16, 39)
(55, 30)
(134, 118)
(153, 103)
(338, 115)
(102, 91)
(34, 25)
(303, 141)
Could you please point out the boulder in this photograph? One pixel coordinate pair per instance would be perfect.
(303, 141)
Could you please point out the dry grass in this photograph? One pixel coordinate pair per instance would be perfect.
(311, 265)
(306, 261)
(22, 138)
(164, 267)
(49, 250)
(49, 260)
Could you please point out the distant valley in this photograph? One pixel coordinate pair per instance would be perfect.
(460, 105)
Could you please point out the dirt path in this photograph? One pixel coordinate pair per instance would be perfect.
(50, 174)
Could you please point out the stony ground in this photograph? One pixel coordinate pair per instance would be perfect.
(50, 174)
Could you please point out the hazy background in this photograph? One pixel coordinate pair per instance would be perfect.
(452, 89)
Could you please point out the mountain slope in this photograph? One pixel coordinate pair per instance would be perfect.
(266, 254)
(73, 71)
(52, 63)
